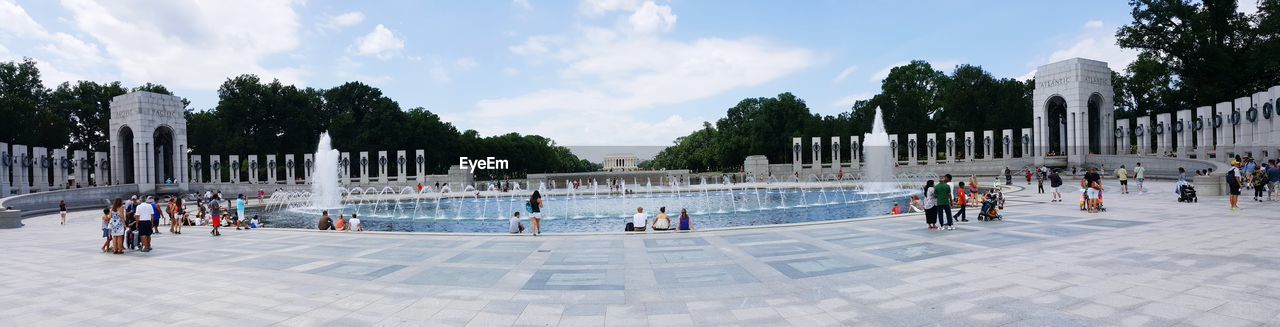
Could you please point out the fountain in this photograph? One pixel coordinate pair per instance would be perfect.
(324, 190)
(877, 173)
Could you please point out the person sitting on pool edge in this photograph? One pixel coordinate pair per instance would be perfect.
(662, 221)
(638, 221)
(685, 223)
(516, 227)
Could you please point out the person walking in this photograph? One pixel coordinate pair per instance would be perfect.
(1139, 173)
(1040, 181)
(1055, 181)
(535, 213)
(216, 212)
(942, 192)
(962, 200)
(1123, 175)
(1273, 179)
(930, 206)
(1008, 176)
(1259, 183)
(62, 211)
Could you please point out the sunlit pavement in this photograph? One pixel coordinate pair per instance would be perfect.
(1147, 260)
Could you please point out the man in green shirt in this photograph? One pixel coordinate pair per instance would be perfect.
(943, 193)
(1123, 175)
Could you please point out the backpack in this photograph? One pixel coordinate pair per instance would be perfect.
(528, 207)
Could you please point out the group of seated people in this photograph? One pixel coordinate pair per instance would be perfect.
(640, 221)
(342, 224)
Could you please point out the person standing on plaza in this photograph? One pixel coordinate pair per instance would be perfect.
(1233, 185)
(535, 213)
(1259, 182)
(1123, 175)
(216, 212)
(241, 219)
(1139, 173)
(930, 204)
(1055, 181)
(106, 229)
(62, 212)
(1008, 176)
(116, 226)
(942, 192)
(146, 213)
(1040, 181)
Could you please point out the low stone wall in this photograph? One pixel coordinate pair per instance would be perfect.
(1156, 167)
(27, 205)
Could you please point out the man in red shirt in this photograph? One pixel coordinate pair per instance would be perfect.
(962, 200)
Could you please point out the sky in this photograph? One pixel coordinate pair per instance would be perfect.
(585, 72)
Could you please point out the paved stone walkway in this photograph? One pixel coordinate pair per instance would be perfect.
(1148, 261)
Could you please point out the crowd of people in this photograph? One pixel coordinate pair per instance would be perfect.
(1247, 174)
(130, 223)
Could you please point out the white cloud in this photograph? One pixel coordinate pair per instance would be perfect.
(17, 22)
(347, 19)
(73, 49)
(611, 75)
(879, 75)
(380, 42)
(844, 74)
(465, 63)
(1097, 44)
(1248, 7)
(523, 4)
(848, 101)
(600, 129)
(652, 18)
(1093, 24)
(186, 44)
(600, 7)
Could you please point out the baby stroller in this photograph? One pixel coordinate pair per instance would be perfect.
(1187, 193)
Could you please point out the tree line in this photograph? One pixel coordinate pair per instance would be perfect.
(253, 116)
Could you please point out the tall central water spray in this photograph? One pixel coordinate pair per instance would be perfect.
(324, 186)
(877, 174)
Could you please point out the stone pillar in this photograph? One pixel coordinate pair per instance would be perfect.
(988, 144)
(81, 166)
(1006, 143)
(233, 168)
(290, 169)
(1141, 135)
(797, 159)
(401, 160)
(58, 161)
(197, 175)
(855, 153)
(308, 164)
(815, 147)
(215, 168)
(1026, 143)
(1163, 133)
(382, 167)
(836, 165)
(254, 166)
(21, 164)
(344, 167)
(931, 148)
(968, 143)
(1244, 131)
(272, 169)
(1259, 127)
(1122, 136)
(1202, 129)
(1273, 147)
(364, 168)
(1182, 132)
(102, 175)
(950, 144)
(420, 162)
(1222, 129)
(913, 150)
(894, 148)
(39, 169)
(6, 167)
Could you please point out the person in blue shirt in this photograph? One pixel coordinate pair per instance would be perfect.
(240, 217)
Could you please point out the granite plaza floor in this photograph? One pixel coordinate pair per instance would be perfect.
(1147, 261)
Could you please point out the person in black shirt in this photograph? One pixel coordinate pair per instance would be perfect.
(1055, 181)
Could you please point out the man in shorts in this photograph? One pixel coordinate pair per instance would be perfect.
(1273, 179)
(215, 210)
(1123, 176)
(146, 213)
(1140, 174)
